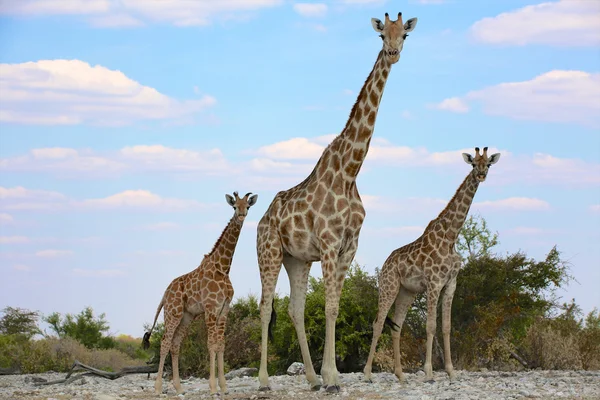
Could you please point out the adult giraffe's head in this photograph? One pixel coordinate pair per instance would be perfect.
(241, 205)
(393, 34)
(481, 162)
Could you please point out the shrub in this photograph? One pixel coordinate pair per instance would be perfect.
(53, 354)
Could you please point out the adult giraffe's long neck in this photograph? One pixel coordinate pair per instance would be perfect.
(454, 215)
(225, 245)
(348, 150)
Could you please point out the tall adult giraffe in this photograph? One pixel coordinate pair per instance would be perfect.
(320, 218)
(430, 264)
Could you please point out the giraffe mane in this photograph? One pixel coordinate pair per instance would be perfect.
(218, 242)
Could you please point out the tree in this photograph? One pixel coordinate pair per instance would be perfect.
(475, 238)
(83, 327)
(19, 321)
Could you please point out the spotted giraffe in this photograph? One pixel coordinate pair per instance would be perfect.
(429, 264)
(320, 218)
(206, 291)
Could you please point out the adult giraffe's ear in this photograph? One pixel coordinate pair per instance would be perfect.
(468, 158)
(230, 200)
(252, 200)
(410, 24)
(494, 158)
(377, 24)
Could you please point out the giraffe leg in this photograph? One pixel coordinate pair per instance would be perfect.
(446, 324)
(269, 260)
(220, 348)
(331, 277)
(211, 327)
(298, 274)
(403, 302)
(387, 295)
(433, 295)
(180, 334)
(172, 319)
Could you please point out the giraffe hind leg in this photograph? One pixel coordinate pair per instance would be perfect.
(387, 296)
(269, 261)
(178, 337)
(404, 299)
(172, 319)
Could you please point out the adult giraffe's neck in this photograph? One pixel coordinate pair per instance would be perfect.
(454, 215)
(348, 150)
(224, 247)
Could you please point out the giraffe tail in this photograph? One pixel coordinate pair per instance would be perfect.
(146, 339)
(393, 326)
(272, 321)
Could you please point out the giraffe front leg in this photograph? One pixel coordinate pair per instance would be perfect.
(446, 325)
(432, 300)
(298, 272)
(331, 277)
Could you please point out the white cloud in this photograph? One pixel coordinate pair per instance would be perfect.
(22, 267)
(14, 239)
(555, 96)
(453, 104)
(545, 169)
(19, 198)
(68, 92)
(41, 7)
(161, 158)
(6, 218)
(293, 149)
(51, 253)
(116, 13)
(68, 162)
(595, 208)
(98, 273)
(431, 1)
(311, 9)
(115, 21)
(513, 204)
(570, 23)
(138, 199)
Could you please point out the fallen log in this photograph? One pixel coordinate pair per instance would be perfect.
(10, 371)
(520, 359)
(77, 366)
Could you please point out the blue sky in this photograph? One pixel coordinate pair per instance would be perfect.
(124, 123)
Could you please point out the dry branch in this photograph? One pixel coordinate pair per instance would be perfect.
(77, 366)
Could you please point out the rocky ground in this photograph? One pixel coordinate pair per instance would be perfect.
(469, 385)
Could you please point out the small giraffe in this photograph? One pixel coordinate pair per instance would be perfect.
(206, 290)
(430, 263)
(320, 218)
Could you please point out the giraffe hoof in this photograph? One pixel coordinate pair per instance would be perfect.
(369, 380)
(315, 388)
(264, 389)
(430, 381)
(333, 389)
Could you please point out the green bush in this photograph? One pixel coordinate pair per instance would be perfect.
(84, 327)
